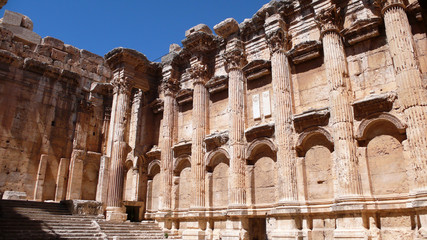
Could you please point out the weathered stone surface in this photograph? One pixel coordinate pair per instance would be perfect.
(84, 207)
(21, 26)
(14, 195)
(305, 121)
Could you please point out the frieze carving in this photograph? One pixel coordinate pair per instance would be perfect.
(278, 40)
(329, 19)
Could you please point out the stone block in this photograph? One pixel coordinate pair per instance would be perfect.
(59, 55)
(14, 195)
(84, 207)
(12, 18)
(53, 42)
(198, 28)
(227, 27)
(174, 48)
(92, 57)
(44, 50)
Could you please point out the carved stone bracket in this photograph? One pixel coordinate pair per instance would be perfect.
(311, 118)
(257, 69)
(329, 19)
(215, 140)
(373, 104)
(305, 51)
(184, 96)
(157, 105)
(183, 147)
(362, 30)
(264, 130)
(217, 84)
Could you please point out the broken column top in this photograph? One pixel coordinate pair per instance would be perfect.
(227, 27)
(21, 26)
(198, 28)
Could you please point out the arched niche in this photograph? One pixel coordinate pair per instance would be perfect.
(182, 169)
(261, 160)
(153, 186)
(382, 135)
(217, 166)
(315, 145)
(131, 180)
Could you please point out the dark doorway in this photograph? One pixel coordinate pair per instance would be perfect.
(257, 229)
(133, 213)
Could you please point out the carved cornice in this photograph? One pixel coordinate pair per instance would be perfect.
(157, 105)
(200, 42)
(361, 30)
(216, 140)
(184, 96)
(257, 69)
(278, 40)
(311, 118)
(264, 130)
(373, 104)
(217, 84)
(183, 147)
(305, 51)
(329, 19)
(384, 5)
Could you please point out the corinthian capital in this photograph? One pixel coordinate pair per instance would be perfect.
(329, 19)
(278, 40)
(234, 59)
(383, 5)
(199, 71)
(169, 88)
(122, 84)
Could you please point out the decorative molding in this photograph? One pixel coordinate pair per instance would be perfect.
(216, 140)
(311, 118)
(217, 84)
(157, 105)
(257, 143)
(307, 134)
(264, 130)
(305, 51)
(184, 96)
(373, 104)
(362, 30)
(257, 69)
(183, 147)
(376, 117)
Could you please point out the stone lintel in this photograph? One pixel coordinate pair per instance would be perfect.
(373, 104)
(183, 147)
(217, 84)
(305, 51)
(311, 118)
(216, 139)
(362, 30)
(257, 69)
(227, 28)
(264, 130)
(184, 96)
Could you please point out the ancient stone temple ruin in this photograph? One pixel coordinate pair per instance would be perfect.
(306, 121)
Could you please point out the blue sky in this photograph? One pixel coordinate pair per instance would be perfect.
(147, 26)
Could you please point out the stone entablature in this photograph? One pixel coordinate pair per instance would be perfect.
(308, 115)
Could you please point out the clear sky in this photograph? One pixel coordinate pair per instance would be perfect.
(147, 26)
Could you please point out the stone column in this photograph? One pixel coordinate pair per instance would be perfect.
(412, 94)
(235, 59)
(200, 107)
(278, 42)
(340, 98)
(122, 89)
(166, 146)
(61, 179)
(102, 186)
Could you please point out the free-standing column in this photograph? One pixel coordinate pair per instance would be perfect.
(200, 107)
(166, 147)
(340, 97)
(236, 103)
(122, 88)
(412, 94)
(282, 105)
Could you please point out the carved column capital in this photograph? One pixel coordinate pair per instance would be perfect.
(384, 5)
(234, 59)
(169, 88)
(199, 72)
(122, 85)
(278, 40)
(329, 19)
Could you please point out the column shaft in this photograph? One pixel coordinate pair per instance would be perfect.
(412, 94)
(166, 147)
(119, 149)
(340, 97)
(197, 150)
(282, 94)
(237, 130)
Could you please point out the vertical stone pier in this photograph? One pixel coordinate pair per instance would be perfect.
(169, 89)
(340, 97)
(278, 42)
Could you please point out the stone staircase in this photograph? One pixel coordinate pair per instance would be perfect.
(42, 220)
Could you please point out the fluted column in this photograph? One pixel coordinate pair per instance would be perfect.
(200, 107)
(412, 94)
(122, 89)
(340, 98)
(282, 104)
(236, 103)
(166, 147)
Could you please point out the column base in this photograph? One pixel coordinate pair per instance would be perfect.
(116, 214)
